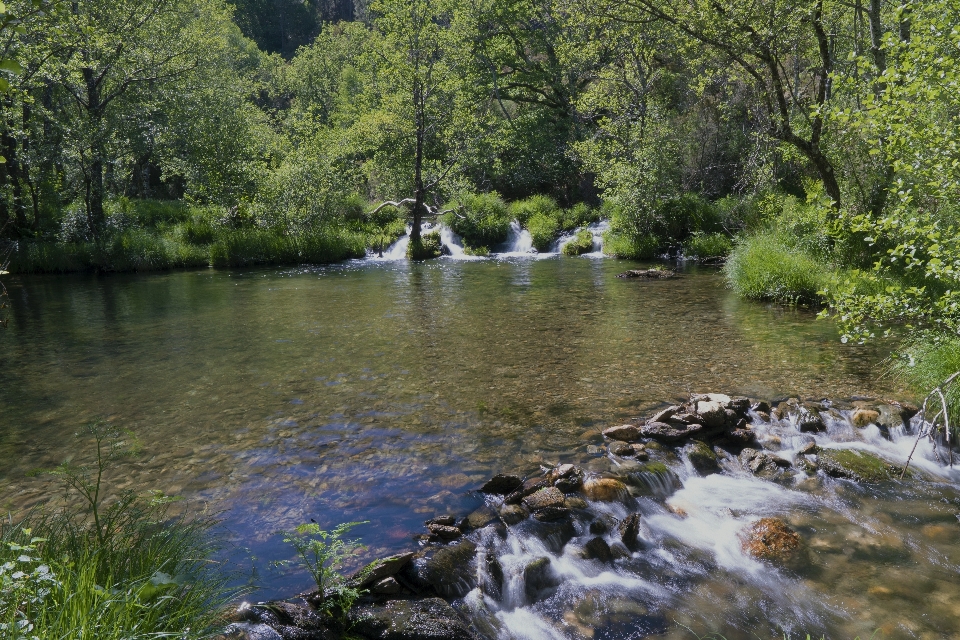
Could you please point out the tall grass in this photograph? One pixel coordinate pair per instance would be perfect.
(244, 247)
(924, 362)
(705, 246)
(543, 229)
(762, 267)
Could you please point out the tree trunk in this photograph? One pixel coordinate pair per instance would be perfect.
(418, 191)
(95, 193)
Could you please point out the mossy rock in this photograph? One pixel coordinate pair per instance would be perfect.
(428, 247)
(702, 457)
(857, 465)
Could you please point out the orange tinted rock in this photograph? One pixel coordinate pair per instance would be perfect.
(605, 489)
(771, 539)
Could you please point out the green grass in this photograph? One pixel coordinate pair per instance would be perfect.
(481, 219)
(544, 229)
(524, 210)
(703, 246)
(580, 244)
(631, 247)
(761, 267)
(926, 361)
(427, 248)
(245, 247)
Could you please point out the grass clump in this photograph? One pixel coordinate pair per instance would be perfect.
(706, 246)
(245, 247)
(524, 210)
(630, 247)
(544, 229)
(117, 570)
(427, 248)
(481, 219)
(924, 363)
(580, 244)
(762, 267)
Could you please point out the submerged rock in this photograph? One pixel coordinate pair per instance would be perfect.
(656, 274)
(597, 549)
(513, 513)
(771, 539)
(629, 530)
(482, 517)
(623, 432)
(537, 577)
(427, 619)
(605, 490)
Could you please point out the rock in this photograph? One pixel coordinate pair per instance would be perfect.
(502, 484)
(547, 497)
(448, 570)
(664, 415)
(672, 432)
(629, 530)
(493, 585)
(599, 527)
(537, 577)
(529, 486)
(740, 404)
(640, 452)
(482, 517)
(809, 420)
(427, 619)
(621, 449)
(444, 532)
(597, 549)
(809, 449)
(380, 569)
(771, 539)
(564, 470)
(605, 490)
(713, 414)
(446, 521)
(387, 586)
(555, 534)
(863, 417)
(891, 417)
(763, 415)
(741, 437)
(655, 274)
(512, 514)
(549, 514)
(571, 481)
(249, 631)
(762, 464)
(761, 407)
(623, 432)
(857, 465)
(702, 457)
(573, 502)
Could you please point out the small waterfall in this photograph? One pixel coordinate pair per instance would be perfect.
(396, 251)
(452, 244)
(597, 229)
(519, 242)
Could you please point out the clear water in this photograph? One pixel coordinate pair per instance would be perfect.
(384, 391)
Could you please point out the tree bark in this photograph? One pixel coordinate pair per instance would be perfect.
(418, 191)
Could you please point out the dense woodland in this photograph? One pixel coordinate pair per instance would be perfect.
(817, 140)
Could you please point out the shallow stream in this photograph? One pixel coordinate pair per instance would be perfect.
(387, 392)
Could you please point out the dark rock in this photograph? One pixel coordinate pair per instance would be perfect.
(537, 577)
(555, 534)
(570, 482)
(621, 449)
(623, 432)
(669, 432)
(702, 457)
(573, 502)
(427, 619)
(762, 464)
(761, 407)
(380, 569)
(529, 486)
(647, 274)
(547, 497)
(857, 465)
(739, 404)
(629, 530)
(809, 449)
(279, 614)
(513, 513)
(597, 549)
(809, 420)
(502, 484)
(741, 437)
(448, 571)
(599, 527)
(250, 631)
(444, 532)
(446, 521)
(549, 514)
(387, 586)
(493, 582)
(712, 414)
(482, 517)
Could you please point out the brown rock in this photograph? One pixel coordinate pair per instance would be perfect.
(771, 539)
(621, 449)
(548, 497)
(669, 432)
(664, 415)
(513, 513)
(387, 586)
(529, 486)
(597, 549)
(605, 489)
(444, 532)
(552, 513)
(482, 517)
(624, 432)
(380, 569)
(712, 414)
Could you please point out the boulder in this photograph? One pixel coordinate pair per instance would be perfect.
(623, 432)
(387, 587)
(529, 486)
(551, 513)
(444, 532)
(427, 619)
(555, 534)
(249, 631)
(740, 404)
(702, 457)
(761, 407)
(573, 502)
(605, 490)
(762, 464)
(569, 482)
(647, 274)
(482, 517)
(512, 514)
(669, 432)
(857, 465)
(543, 498)
(597, 549)
(712, 414)
(448, 570)
(629, 530)
(809, 420)
(502, 484)
(863, 417)
(446, 521)
(664, 415)
(772, 540)
(621, 449)
(380, 569)
(537, 577)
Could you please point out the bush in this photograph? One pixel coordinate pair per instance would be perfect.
(707, 245)
(482, 220)
(579, 215)
(544, 229)
(524, 210)
(631, 247)
(427, 248)
(580, 244)
(762, 267)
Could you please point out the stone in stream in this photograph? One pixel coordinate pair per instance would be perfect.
(444, 532)
(857, 465)
(621, 449)
(546, 497)
(762, 464)
(712, 414)
(446, 521)
(512, 514)
(529, 486)
(702, 457)
(597, 549)
(386, 587)
(664, 415)
(761, 407)
(670, 432)
(573, 502)
(380, 569)
(771, 539)
(502, 484)
(740, 404)
(549, 514)
(623, 432)
(629, 530)
(864, 417)
(605, 490)
(249, 631)
(448, 571)
(555, 534)
(569, 478)
(537, 577)
(427, 619)
(286, 619)
(482, 517)
(809, 420)
(647, 274)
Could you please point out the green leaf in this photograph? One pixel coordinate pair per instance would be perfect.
(11, 66)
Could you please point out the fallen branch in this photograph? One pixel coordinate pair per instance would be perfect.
(931, 428)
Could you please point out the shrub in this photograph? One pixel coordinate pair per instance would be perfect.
(707, 245)
(427, 248)
(524, 210)
(482, 220)
(631, 247)
(580, 244)
(544, 229)
(578, 215)
(764, 268)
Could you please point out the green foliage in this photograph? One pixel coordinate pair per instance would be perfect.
(578, 215)
(762, 267)
(114, 568)
(631, 247)
(428, 247)
(580, 244)
(245, 247)
(707, 245)
(322, 553)
(544, 229)
(924, 362)
(524, 210)
(481, 219)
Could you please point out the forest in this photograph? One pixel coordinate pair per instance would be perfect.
(810, 149)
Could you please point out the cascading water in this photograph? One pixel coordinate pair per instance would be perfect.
(519, 242)
(555, 580)
(597, 229)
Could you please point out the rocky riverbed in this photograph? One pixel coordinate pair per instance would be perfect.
(570, 552)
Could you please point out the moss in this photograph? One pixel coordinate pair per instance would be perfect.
(476, 251)
(581, 243)
(428, 247)
(654, 467)
(857, 465)
(539, 205)
(702, 457)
